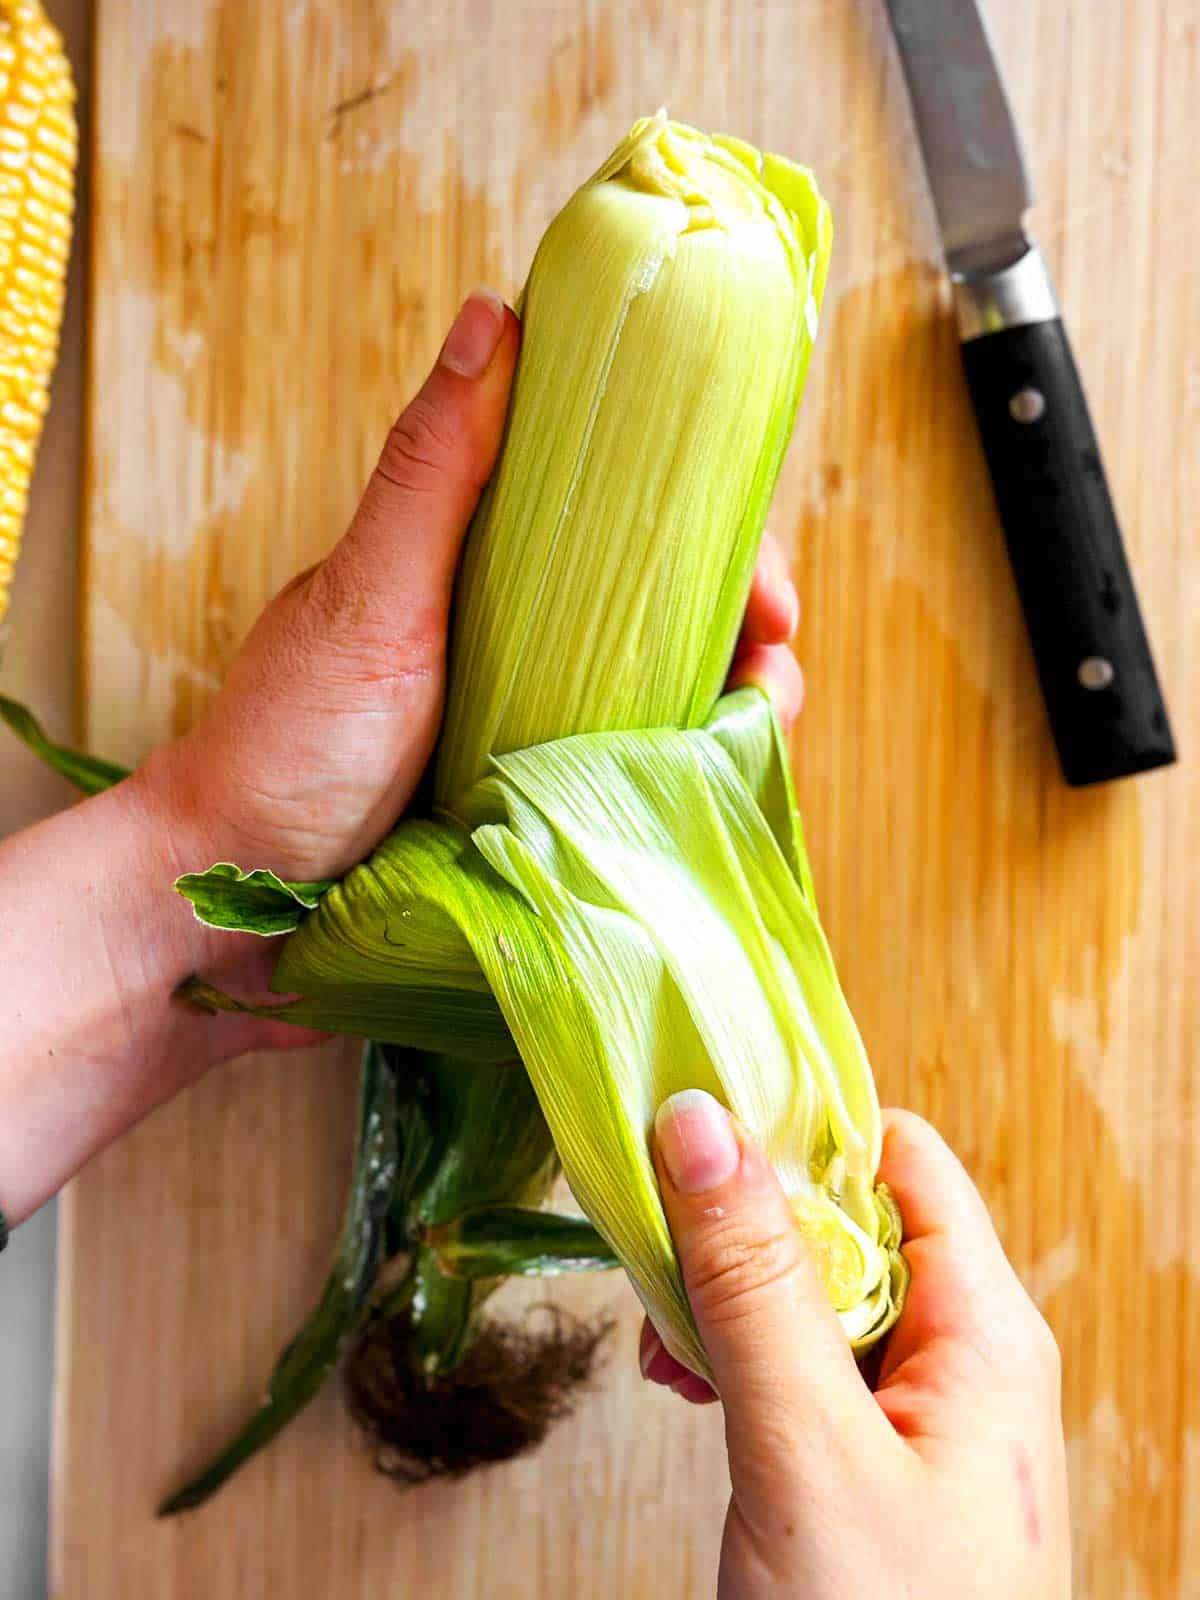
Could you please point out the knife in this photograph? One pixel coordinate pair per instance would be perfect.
(1093, 659)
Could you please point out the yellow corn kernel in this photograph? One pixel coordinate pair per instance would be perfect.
(37, 158)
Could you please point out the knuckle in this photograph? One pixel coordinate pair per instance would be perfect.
(295, 584)
(422, 445)
(1020, 1339)
(334, 597)
(1044, 1345)
(730, 1270)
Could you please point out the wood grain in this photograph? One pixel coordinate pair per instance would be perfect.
(290, 199)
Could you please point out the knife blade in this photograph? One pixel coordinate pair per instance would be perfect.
(1093, 659)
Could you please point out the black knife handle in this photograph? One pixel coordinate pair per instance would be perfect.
(1093, 658)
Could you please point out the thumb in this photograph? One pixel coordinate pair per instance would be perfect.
(791, 1391)
(331, 708)
(398, 558)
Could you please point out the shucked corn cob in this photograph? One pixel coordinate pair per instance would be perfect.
(37, 165)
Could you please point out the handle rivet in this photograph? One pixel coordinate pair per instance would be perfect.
(1095, 672)
(1027, 405)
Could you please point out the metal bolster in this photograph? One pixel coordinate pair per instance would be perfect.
(1011, 298)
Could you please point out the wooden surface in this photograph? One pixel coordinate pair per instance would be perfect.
(290, 198)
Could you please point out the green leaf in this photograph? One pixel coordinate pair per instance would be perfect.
(89, 774)
(310, 1358)
(518, 1241)
(471, 1137)
(491, 1141)
(415, 1018)
(438, 1313)
(249, 902)
(384, 954)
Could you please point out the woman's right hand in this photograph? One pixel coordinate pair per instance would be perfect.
(949, 1482)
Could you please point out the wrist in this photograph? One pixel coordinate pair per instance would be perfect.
(100, 942)
(171, 833)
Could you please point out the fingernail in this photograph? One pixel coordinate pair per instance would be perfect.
(696, 1141)
(473, 340)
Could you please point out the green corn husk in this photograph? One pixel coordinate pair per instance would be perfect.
(668, 322)
(620, 890)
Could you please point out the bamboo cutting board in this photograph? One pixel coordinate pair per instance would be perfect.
(290, 198)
